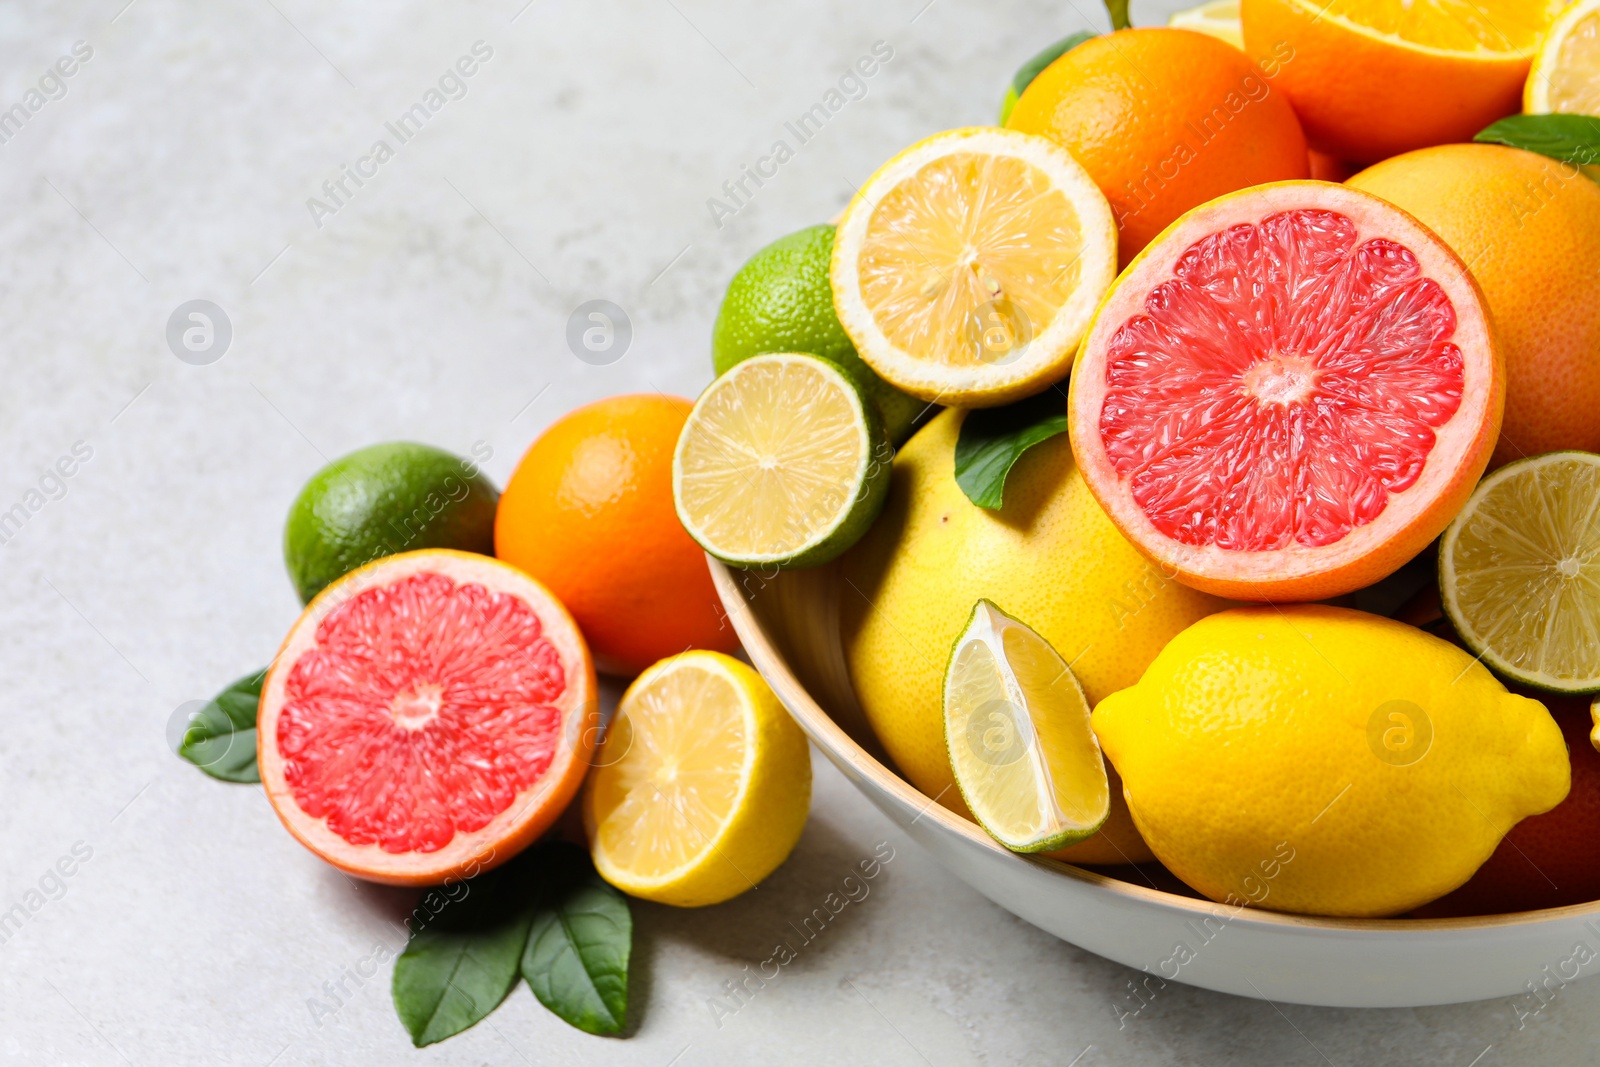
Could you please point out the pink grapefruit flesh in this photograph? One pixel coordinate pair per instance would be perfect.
(1288, 394)
(428, 716)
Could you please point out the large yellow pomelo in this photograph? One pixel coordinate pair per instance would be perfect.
(1049, 557)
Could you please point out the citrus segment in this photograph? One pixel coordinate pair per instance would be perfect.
(702, 785)
(428, 714)
(1288, 393)
(1017, 729)
(781, 462)
(966, 268)
(1565, 77)
(1519, 571)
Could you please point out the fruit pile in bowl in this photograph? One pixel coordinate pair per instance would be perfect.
(1244, 551)
(1199, 557)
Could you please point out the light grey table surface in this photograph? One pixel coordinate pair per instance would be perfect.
(176, 163)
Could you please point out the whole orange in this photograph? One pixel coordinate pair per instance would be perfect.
(1372, 78)
(1528, 228)
(589, 513)
(1164, 120)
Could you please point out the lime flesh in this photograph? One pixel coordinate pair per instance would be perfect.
(1017, 729)
(1519, 572)
(781, 463)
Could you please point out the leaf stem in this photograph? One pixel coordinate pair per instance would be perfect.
(1118, 10)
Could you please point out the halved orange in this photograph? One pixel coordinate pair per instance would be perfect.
(429, 716)
(1288, 394)
(1374, 78)
(967, 267)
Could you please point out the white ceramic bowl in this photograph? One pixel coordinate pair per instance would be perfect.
(789, 625)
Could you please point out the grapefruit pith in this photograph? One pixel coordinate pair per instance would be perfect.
(428, 716)
(1288, 394)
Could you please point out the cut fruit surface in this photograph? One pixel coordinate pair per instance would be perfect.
(781, 462)
(1519, 572)
(1565, 76)
(1373, 78)
(1017, 728)
(428, 716)
(966, 268)
(1216, 18)
(701, 786)
(1288, 394)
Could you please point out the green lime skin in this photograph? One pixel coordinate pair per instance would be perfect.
(388, 498)
(782, 301)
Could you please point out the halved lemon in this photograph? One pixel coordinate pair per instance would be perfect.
(1565, 77)
(1218, 18)
(1016, 725)
(1519, 571)
(781, 463)
(967, 267)
(701, 786)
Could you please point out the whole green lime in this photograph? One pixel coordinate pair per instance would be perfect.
(782, 301)
(389, 498)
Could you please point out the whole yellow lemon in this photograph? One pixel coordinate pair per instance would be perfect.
(1049, 557)
(1325, 761)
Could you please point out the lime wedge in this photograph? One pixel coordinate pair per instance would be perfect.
(1519, 571)
(782, 463)
(1016, 725)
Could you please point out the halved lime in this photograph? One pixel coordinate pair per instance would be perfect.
(1016, 724)
(782, 463)
(1519, 571)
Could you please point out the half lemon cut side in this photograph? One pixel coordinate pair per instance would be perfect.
(1017, 728)
(965, 270)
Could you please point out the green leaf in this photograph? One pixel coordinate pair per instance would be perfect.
(1570, 138)
(1035, 66)
(221, 739)
(458, 969)
(993, 439)
(576, 960)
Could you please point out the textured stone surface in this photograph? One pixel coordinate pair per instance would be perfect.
(433, 306)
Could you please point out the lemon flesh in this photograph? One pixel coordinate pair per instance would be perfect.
(1491, 28)
(1519, 571)
(1017, 728)
(781, 462)
(701, 786)
(965, 270)
(1219, 19)
(1565, 77)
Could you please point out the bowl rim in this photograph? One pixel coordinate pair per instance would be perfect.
(840, 746)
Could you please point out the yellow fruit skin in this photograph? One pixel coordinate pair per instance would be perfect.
(1528, 228)
(767, 819)
(1050, 557)
(1251, 762)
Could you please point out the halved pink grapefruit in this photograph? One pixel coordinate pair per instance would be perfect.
(1288, 393)
(428, 716)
